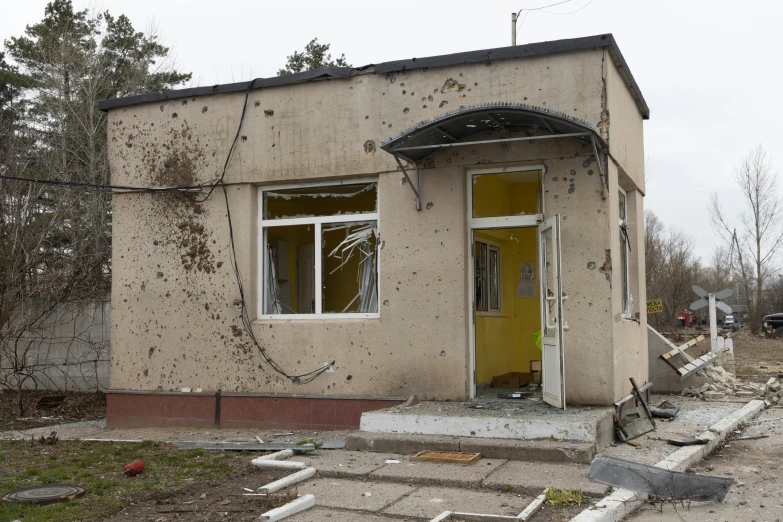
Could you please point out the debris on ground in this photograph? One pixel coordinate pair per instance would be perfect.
(665, 410)
(134, 468)
(687, 441)
(725, 384)
(633, 422)
(660, 483)
(51, 440)
(452, 457)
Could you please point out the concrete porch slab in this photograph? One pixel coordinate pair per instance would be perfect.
(318, 514)
(344, 463)
(531, 478)
(460, 475)
(527, 419)
(531, 450)
(352, 494)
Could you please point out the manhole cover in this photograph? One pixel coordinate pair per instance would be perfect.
(48, 494)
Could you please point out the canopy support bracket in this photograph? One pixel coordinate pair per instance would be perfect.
(415, 188)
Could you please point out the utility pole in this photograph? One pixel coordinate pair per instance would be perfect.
(513, 28)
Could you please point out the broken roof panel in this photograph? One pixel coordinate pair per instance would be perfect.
(482, 56)
(427, 137)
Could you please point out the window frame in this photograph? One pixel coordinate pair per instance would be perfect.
(317, 222)
(625, 289)
(494, 247)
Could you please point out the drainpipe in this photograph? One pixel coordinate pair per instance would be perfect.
(513, 28)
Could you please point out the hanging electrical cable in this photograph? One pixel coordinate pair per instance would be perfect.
(303, 378)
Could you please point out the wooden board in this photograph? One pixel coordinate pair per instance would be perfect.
(451, 457)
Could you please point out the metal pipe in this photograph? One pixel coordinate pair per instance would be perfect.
(418, 189)
(513, 28)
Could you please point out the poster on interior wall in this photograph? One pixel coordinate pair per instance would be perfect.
(527, 290)
(527, 273)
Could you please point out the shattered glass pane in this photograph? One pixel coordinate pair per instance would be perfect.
(350, 267)
(327, 200)
(506, 193)
(290, 270)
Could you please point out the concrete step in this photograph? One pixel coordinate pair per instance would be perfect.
(524, 450)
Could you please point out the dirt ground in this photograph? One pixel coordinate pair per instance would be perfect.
(74, 407)
(221, 499)
(755, 463)
(757, 359)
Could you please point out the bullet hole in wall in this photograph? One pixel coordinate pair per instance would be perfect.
(369, 147)
(204, 109)
(269, 113)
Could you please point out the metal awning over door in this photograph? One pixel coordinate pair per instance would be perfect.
(479, 124)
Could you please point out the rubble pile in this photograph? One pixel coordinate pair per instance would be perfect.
(725, 384)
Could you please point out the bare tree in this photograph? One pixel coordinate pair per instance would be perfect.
(758, 240)
(671, 267)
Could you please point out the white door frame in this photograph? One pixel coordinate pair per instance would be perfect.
(553, 324)
(519, 221)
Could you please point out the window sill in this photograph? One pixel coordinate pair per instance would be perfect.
(490, 314)
(321, 318)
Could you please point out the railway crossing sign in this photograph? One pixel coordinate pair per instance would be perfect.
(713, 301)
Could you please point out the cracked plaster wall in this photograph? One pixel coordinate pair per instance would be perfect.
(174, 321)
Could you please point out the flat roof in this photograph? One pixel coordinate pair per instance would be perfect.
(486, 55)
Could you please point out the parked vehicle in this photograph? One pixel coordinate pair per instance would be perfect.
(772, 326)
(687, 318)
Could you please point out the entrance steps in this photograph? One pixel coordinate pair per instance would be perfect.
(525, 450)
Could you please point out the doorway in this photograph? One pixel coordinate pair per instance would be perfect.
(515, 300)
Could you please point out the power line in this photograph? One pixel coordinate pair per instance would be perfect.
(124, 188)
(543, 7)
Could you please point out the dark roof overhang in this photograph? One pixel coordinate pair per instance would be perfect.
(489, 123)
(586, 43)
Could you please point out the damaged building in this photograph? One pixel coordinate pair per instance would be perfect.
(349, 237)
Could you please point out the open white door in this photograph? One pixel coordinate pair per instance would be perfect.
(552, 364)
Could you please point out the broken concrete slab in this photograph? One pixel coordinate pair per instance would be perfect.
(465, 475)
(429, 502)
(713, 395)
(345, 463)
(353, 494)
(529, 478)
(532, 450)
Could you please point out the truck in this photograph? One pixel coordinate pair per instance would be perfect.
(687, 318)
(772, 325)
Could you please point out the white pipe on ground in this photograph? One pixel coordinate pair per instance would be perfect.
(278, 455)
(277, 464)
(287, 481)
(295, 506)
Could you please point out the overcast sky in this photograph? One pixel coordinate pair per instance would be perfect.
(711, 71)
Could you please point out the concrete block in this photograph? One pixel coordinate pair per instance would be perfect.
(429, 502)
(531, 478)
(713, 395)
(745, 393)
(404, 444)
(460, 475)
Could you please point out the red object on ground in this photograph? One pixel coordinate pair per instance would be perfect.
(134, 468)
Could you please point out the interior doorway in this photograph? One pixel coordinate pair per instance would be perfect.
(508, 310)
(514, 276)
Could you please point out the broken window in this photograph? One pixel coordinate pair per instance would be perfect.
(506, 194)
(320, 248)
(624, 249)
(487, 274)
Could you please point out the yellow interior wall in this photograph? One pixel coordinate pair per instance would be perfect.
(504, 343)
(294, 236)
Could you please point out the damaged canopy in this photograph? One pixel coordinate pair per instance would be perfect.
(453, 128)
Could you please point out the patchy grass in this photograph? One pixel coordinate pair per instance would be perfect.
(97, 466)
(563, 497)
